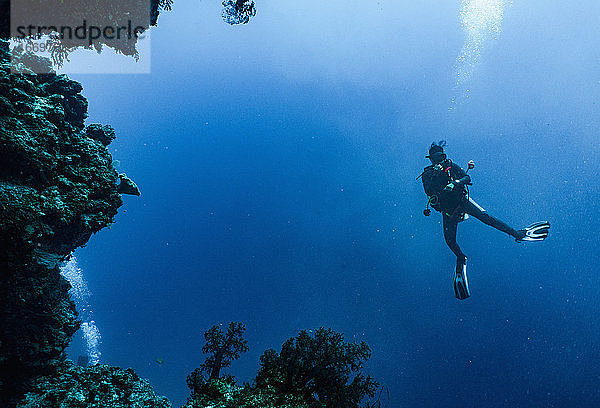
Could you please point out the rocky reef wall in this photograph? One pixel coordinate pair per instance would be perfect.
(58, 186)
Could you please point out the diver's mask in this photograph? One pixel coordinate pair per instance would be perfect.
(436, 157)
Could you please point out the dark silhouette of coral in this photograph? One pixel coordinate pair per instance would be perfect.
(238, 11)
(72, 13)
(222, 349)
(311, 371)
(320, 368)
(4, 19)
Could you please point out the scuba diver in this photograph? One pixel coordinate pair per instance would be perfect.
(446, 185)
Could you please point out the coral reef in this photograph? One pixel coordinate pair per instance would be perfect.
(318, 368)
(311, 371)
(103, 134)
(100, 386)
(238, 11)
(4, 18)
(50, 18)
(224, 393)
(58, 186)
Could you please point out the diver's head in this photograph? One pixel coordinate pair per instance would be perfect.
(436, 152)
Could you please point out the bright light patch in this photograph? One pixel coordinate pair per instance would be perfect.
(481, 21)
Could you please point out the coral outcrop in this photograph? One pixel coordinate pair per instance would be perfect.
(127, 186)
(100, 386)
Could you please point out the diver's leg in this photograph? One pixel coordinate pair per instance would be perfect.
(472, 208)
(461, 286)
(450, 226)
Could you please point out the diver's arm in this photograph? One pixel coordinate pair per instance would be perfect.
(463, 181)
(461, 177)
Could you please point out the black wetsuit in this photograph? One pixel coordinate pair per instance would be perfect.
(455, 203)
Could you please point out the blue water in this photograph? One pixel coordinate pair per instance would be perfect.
(277, 165)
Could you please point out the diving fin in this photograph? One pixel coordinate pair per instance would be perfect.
(535, 232)
(461, 284)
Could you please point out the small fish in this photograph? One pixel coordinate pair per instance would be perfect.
(159, 361)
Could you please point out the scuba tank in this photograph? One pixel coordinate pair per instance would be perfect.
(435, 178)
